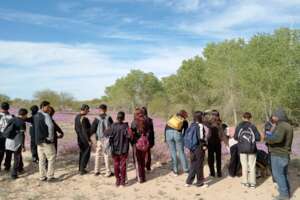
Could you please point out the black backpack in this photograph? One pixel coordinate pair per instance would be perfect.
(10, 130)
(246, 140)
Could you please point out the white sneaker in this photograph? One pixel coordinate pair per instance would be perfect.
(187, 185)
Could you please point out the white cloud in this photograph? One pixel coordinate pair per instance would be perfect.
(82, 69)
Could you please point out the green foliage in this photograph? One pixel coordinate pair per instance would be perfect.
(4, 98)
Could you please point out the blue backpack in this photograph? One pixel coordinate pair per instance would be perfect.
(191, 137)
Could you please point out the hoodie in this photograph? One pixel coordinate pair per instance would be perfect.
(282, 138)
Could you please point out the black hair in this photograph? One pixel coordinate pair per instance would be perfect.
(198, 115)
(247, 115)
(145, 110)
(5, 106)
(103, 107)
(121, 116)
(34, 109)
(44, 103)
(215, 113)
(84, 107)
(51, 110)
(23, 112)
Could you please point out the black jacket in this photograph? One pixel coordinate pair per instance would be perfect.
(82, 129)
(40, 128)
(119, 138)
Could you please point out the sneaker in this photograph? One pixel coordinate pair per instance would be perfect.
(245, 185)
(187, 185)
(107, 175)
(97, 173)
(51, 180)
(83, 172)
(175, 174)
(14, 177)
(43, 179)
(252, 186)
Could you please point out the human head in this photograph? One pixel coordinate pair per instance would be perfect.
(121, 116)
(4, 107)
(198, 115)
(102, 108)
(215, 115)
(23, 113)
(139, 113)
(183, 114)
(85, 109)
(34, 109)
(45, 106)
(279, 115)
(51, 111)
(207, 116)
(247, 116)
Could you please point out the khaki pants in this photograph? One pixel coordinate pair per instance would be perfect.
(46, 151)
(248, 162)
(100, 149)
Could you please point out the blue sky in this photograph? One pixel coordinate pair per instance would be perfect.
(83, 46)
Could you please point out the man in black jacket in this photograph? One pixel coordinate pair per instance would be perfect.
(82, 129)
(34, 154)
(44, 137)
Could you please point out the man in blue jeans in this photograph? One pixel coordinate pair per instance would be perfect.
(174, 137)
(280, 141)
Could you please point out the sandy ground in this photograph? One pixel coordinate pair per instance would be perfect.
(161, 184)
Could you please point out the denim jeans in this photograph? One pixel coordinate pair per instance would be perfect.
(280, 173)
(175, 143)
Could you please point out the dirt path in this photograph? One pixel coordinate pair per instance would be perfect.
(160, 185)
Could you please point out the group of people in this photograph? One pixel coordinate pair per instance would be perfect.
(206, 132)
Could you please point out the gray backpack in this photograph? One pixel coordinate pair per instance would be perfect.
(4, 119)
(102, 126)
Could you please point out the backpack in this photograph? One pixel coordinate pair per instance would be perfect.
(102, 126)
(4, 119)
(142, 143)
(191, 137)
(246, 140)
(10, 130)
(176, 122)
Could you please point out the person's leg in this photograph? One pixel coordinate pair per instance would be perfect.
(42, 162)
(15, 168)
(252, 169)
(85, 158)
(279, 165)
(181, 154)
(148, 159)
(50, 155)
(123, 168)
(97, 157)
(219, 159)
(211, 160)
(200, 173)
(232, 162)
(244, 162)
(141, 165)
(193, 169)
(1, 158)
(172, 149)
(116, 159)
(33, 146)
(285, 172)
(8, 157)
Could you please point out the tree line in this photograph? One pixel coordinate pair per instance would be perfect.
(233, 76)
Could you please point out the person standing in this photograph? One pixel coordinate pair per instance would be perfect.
(44, 135)
(120, 136)
(140, 130)
(247, 135)
(58, 132)
(174, 132)
(280, 143)
(15, 140)
(234, 163)
(215, 138)
(151, 138)
(5, 116)
(195, 136)
(82, 129)
(100, 124)
(33, 147)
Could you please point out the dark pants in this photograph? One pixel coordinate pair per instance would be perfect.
(196, 168)
(84, 156)
(33, 147)
(140, 157)
(120, 168)
(17, 162)
(234, 164)
(148, 159)
(6, 154)
(215, 153)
